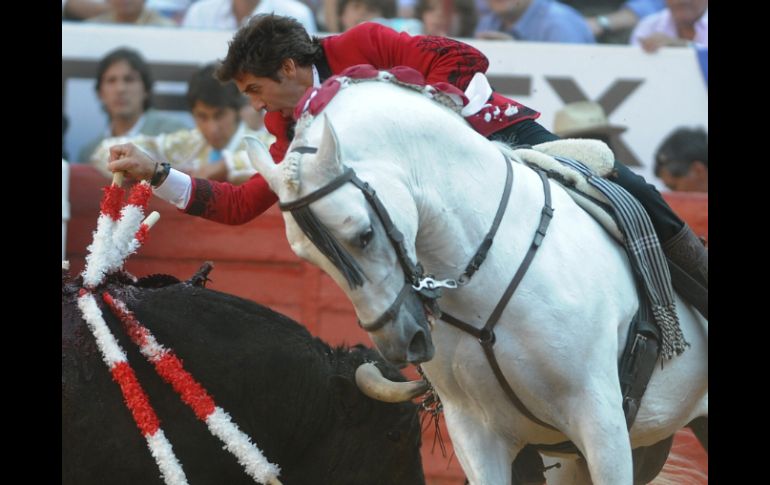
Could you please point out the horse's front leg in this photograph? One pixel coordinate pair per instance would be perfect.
(598, 428)
(484, 455)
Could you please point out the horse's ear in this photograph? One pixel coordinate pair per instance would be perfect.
(329, 149)
(262, 160)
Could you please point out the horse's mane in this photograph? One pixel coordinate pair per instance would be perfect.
(315, 100)
(321, 101)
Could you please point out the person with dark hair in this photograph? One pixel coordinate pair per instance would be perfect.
(682, 160)
(214, 149)
(448, 18)
(354, 12)
(124, 86)
(274, 61)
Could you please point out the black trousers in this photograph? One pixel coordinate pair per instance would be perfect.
(663, 219)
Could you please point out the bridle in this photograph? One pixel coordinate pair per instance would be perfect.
(415, 279)
(429, 289)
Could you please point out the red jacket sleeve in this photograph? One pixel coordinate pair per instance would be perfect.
(230, 204)
(437, 58)
(238, 204)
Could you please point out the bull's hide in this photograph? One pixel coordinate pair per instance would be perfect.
(290, 392)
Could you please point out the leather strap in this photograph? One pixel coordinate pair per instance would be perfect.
(486, 335)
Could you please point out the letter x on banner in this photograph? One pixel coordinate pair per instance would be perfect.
(569, 92)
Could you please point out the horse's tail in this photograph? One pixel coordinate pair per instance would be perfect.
(687, 462)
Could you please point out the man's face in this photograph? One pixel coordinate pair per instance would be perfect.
(270, 95)
(217, 124)
(687, 11)
(434, 20)
(355, 13)
(695, 180)
(122, 91)
(127, 7)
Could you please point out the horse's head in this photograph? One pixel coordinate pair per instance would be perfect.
(332, 222)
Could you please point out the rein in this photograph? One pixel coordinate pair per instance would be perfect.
(427, 288)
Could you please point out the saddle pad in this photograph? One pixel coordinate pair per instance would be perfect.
(592, 153)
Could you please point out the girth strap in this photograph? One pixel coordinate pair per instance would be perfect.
(486, 335)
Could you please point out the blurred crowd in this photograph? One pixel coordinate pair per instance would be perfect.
(649, 23)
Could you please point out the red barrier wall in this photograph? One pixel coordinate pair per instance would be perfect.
(254, 261)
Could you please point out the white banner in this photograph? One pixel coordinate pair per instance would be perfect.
(650, 94)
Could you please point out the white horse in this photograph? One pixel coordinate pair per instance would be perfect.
(559, 337)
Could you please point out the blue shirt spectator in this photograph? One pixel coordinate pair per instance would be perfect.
(543, 20)
(643, 8)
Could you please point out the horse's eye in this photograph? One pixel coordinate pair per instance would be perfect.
(366, 237)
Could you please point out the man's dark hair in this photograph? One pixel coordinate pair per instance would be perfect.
(464, 9)
(137, 63)
(204, 87)
(680, 149)
(260, 47)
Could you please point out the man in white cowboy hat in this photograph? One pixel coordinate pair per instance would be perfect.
(587, 119)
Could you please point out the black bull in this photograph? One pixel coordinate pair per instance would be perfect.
(293, 394)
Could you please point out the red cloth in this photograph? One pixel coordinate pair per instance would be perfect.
(438, 59)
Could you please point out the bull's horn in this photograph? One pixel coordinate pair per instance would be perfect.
(372, 383)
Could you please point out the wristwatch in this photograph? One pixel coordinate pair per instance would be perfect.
(604, 22)
(160, 175)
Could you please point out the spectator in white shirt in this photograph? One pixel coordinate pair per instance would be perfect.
(231, 14)
(683, 23)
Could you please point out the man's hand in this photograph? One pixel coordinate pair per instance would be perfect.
(657, 40)
(128, 158)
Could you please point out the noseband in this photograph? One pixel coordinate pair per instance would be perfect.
(427, 288)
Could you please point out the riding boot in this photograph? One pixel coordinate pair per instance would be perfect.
(688, 262)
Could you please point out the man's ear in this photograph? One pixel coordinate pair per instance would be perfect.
(289, 68)
(699, 168)
(700, 172)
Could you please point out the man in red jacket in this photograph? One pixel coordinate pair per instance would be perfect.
(274, 61)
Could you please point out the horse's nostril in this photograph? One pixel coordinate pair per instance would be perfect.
(418, 347)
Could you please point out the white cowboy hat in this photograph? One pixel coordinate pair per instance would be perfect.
(583, 117)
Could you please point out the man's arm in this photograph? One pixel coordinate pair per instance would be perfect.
(217, 201)
(439, 59)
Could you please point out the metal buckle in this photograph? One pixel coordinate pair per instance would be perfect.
(431, 284)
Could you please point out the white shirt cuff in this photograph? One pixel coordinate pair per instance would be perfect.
(176, 189)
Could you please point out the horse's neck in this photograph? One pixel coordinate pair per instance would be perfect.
(454, 175)
(458, 209)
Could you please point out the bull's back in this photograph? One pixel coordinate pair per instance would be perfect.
(243, 354)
